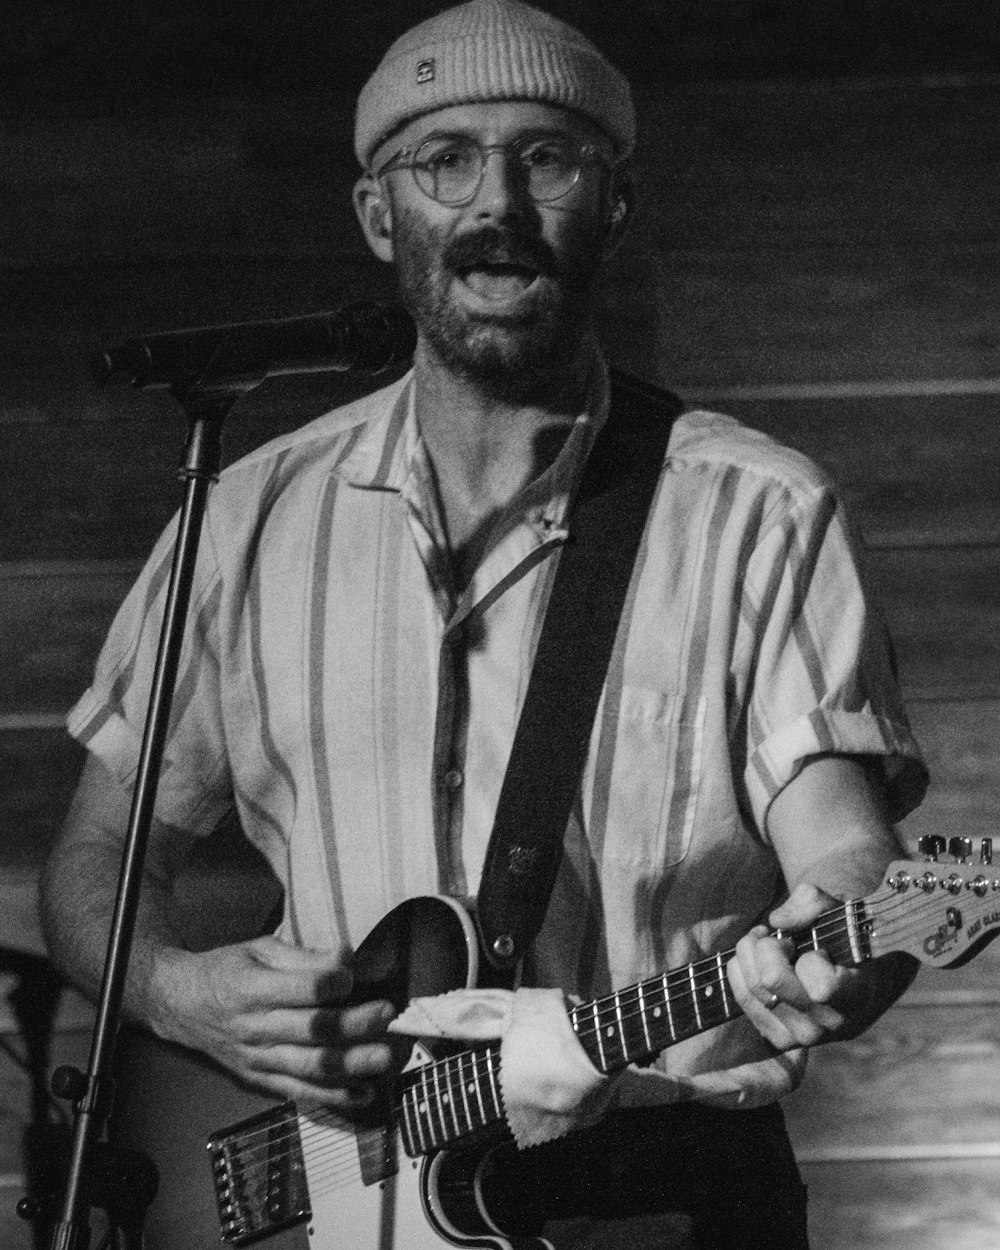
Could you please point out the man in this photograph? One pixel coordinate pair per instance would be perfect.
(370, 593)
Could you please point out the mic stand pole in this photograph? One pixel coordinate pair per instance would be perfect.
(207, 404)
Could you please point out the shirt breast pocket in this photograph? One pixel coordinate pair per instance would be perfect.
(655, 776)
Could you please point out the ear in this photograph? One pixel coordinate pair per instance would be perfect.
(619, 209)
(374, 212)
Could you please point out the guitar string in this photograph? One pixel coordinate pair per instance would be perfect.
(331, 1167)
(472, 1065)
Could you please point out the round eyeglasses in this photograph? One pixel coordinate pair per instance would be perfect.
(450, 168)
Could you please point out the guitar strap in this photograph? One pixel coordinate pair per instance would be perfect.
(549, 751)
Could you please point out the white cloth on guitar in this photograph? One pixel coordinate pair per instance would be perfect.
(548, 1084)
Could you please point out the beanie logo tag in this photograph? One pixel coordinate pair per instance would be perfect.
(425, 70)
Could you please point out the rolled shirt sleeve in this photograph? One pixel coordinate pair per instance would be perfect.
(194, 791)
(821, 658)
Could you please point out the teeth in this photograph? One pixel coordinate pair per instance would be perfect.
(499, 282)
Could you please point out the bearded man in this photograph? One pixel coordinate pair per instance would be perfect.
(370, 594)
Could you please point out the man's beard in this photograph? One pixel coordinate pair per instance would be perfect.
(520, 356)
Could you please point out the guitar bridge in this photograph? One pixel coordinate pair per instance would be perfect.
(259, 1176)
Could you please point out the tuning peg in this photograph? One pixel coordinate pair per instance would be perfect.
(986, 851)
(931, 845)
(960, 848)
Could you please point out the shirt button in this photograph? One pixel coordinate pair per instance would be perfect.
(453, 778)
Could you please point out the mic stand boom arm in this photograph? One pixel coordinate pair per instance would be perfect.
(207, 405)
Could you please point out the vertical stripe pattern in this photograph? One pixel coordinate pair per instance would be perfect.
(360, 712)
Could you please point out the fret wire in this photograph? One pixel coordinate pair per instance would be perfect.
(670, 1009)
(491, 1071)
(439, 1104)
(724, 986)
(419, 1101)
(621, 1027)
(479, 1092)
(694, 996)
(642, 1017)
(600, 1039)
(465, 1096)
(450, 1096)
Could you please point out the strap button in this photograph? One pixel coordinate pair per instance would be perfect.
(453, 779)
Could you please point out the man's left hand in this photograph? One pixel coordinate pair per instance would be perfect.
(793, 1005)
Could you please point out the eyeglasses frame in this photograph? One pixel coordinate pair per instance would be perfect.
(587, 153)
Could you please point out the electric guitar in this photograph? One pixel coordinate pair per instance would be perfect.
(418, 1175)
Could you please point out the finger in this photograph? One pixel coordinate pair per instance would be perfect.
(823, 981)
(365, 1022)
(766, 973)
(312, 1026)
(325, 1066)
(805, 903)
(340, 1097)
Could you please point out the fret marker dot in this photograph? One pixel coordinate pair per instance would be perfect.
(471, 1087)
(611, 1031)
(708, 991)
(657, 1012)
(421, 1107)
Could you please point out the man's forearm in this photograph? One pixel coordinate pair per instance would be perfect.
(78, 892)
(79, 887)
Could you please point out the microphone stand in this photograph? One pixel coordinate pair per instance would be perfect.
(123, 1183)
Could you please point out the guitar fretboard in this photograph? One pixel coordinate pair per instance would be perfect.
(458, 1096)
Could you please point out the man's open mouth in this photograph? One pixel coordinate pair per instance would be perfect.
(500, 280)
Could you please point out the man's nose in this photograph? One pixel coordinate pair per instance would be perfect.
(503, 191)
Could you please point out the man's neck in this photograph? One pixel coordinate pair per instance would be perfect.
(485, 448)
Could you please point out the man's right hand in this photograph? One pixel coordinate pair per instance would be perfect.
(276, 1016)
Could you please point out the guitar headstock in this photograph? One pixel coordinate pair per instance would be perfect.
(941, 911)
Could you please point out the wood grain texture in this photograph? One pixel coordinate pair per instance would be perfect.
(722, 167)
(961, 743)
(914, 471)
(935, 1205)
(98, 481)
(942, 606)
(921, 1075)
(52, 623)
(811, 232)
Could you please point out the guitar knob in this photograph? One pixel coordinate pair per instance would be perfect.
(986, 851)
(930, 845)
(960, 848)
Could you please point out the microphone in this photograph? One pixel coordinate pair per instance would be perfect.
(363, 337)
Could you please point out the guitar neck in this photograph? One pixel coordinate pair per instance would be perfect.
(635, 1024)
(458, 1096)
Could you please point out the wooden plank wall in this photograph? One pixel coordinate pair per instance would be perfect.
(818, 258)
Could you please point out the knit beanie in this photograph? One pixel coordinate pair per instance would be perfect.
(492, 50)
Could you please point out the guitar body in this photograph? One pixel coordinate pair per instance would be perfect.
(356, 1189)
(422, 1171)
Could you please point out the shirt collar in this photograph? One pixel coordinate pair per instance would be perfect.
(384, 454)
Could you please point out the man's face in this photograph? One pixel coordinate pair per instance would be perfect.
(501, 286)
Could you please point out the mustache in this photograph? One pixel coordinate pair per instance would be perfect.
(493, 246)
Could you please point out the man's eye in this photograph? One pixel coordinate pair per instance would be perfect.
(546, 156)
(446, 159)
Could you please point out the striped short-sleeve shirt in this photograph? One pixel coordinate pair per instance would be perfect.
(358, 708)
